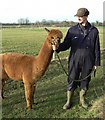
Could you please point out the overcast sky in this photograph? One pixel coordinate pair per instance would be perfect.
(37, 10)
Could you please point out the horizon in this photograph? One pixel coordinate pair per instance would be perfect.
(47, 21)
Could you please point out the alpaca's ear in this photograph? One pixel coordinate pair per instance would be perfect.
(47, 30)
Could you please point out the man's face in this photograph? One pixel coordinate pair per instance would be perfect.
(82, 20)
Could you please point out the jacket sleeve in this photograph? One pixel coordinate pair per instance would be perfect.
(65, 44)
(97, 51)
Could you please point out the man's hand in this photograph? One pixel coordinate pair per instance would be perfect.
(55, 47)
(95, 67)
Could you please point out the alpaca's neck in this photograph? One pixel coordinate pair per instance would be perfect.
(45, 55)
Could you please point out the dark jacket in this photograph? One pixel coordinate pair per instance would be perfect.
(85, 47)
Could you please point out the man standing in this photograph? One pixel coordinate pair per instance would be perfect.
(83, 39)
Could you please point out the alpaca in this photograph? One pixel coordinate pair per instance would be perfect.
(29, 68)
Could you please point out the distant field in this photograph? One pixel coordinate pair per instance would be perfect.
(51, 89)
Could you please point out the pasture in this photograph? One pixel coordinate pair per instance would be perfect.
(51, 88)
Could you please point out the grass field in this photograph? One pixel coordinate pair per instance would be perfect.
(51, 89)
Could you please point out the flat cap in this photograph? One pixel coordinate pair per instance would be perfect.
(82, 12)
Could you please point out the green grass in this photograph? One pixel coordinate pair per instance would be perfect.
(51, 89)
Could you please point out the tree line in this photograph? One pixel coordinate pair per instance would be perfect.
(25, 22)
(45, 22)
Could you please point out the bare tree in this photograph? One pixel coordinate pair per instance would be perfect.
(23, 21)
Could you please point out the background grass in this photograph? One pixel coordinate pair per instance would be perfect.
(51, 89)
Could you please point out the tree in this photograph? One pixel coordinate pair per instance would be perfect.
(97, 23)
(23, 21)
(27, 21)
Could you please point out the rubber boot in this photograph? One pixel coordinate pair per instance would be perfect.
(82, 99)
(69, 99)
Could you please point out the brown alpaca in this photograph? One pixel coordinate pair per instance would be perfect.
(28, 68)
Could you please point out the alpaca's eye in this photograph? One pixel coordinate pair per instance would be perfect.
(58, 41)
(52, 37)
(59, 38)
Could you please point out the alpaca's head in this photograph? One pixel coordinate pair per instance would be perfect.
(54, 36)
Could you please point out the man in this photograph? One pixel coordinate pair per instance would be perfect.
(83, 39)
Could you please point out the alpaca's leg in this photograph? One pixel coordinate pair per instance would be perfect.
(33, 92)
(28, 94)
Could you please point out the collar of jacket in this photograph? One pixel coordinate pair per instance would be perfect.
(89, 27)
